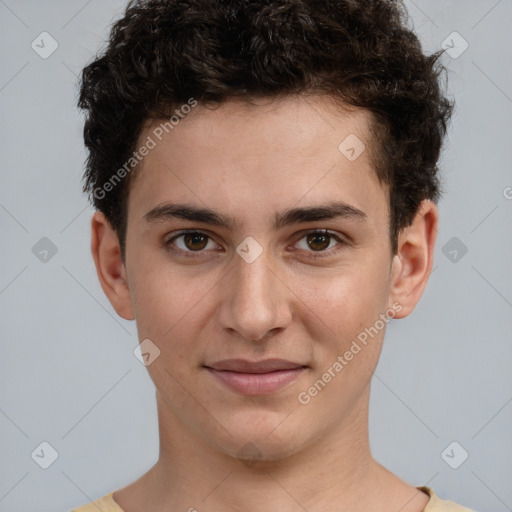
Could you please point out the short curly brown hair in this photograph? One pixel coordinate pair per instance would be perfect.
(163, 52)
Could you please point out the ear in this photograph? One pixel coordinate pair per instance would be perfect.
(413, 262)
(106, 252)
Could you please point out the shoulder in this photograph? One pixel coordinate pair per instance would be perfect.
(105, 504)
(436, 504)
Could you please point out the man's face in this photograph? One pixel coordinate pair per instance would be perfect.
(259, 289)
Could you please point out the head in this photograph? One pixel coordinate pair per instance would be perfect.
(250, 123)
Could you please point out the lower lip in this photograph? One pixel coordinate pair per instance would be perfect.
(257, 383)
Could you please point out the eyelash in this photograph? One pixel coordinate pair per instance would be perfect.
(314, 254)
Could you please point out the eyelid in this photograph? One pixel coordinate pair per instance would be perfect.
(342, 241)
(167, 242)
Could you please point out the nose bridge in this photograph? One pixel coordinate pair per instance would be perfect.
(254, 302)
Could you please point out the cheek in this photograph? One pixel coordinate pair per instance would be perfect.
(348, 299)
(170, 304)
(348, 309)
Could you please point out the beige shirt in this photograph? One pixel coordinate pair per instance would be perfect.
(435, 504)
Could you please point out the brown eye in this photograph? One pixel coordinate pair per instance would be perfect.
(318, 241)
(195, 241)
(190, 242)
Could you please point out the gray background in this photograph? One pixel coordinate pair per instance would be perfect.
(68, 375)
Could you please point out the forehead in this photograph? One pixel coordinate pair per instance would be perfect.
(301, 124)
(257, 157)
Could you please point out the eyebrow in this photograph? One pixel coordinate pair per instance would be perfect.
(333, 210)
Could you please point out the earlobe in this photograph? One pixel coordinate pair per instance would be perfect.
(106, 252)
(413, 262)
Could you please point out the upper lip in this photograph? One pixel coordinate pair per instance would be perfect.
(264, 366)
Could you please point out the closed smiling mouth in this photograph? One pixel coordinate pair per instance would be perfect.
(255, 377)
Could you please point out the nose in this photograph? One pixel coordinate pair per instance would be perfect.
(255, 302)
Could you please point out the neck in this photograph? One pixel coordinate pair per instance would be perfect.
(335, 472)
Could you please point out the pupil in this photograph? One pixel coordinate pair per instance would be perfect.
(323, 244)
(192, 239)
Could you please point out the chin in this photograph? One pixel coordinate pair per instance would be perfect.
(260, 441)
